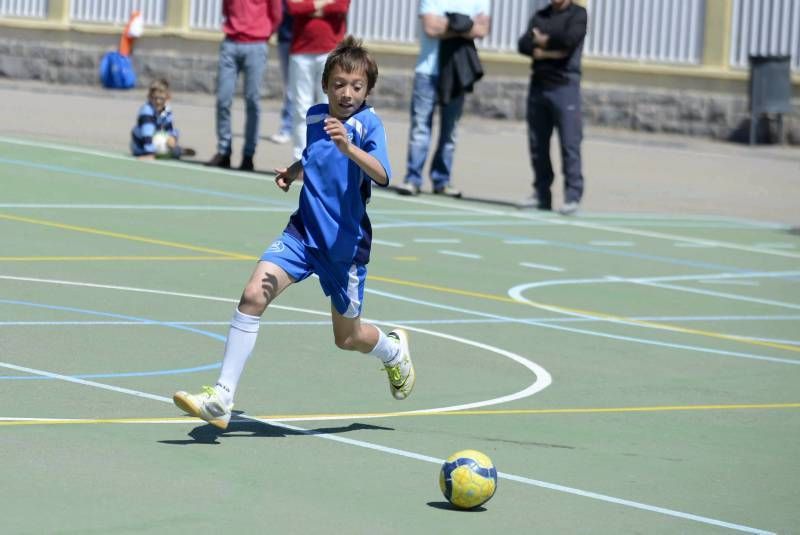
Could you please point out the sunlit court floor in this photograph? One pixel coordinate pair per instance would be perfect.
(627, 373)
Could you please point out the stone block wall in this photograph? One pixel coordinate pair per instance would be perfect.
(696, 113)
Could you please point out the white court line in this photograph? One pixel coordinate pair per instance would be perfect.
(729, 281)
(777, 245)
(147, 207)
(541, 266)
(543, 378)
(462, 255)
(114, 156)
(437, 240)
(420, 457)
(710, 293)
(525, 242)
(571, 221)
(609, 243)
(387, 243)
(692, 245)
(450, 206)
(700, 277)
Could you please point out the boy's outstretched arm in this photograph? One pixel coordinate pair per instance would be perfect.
(284, 176)
(368, 163)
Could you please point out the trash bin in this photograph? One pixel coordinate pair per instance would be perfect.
(770, 90)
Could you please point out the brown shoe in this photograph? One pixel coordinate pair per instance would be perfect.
(220, 160)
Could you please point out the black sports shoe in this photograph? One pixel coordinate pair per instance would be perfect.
(219, 160)
(247, 164)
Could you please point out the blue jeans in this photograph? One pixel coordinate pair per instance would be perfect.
(286, 110)
(251, 59)
(423, 104)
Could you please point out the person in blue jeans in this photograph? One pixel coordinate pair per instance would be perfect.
(247, 27)
(432, 14)
(284, 133)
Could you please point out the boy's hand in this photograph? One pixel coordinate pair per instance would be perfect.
(338, 133)
(284, 176)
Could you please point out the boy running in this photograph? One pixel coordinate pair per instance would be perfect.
(328, 235)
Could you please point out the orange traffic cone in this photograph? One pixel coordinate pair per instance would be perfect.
(133, 30)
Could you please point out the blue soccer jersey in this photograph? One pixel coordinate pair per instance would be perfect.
(148, 122)
(332, 215)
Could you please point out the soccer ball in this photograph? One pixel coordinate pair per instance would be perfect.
(161, 143)
(468, 479)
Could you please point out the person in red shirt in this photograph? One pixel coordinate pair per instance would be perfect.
(248, 24)
(318, 26)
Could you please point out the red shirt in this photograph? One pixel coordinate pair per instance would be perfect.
(317, 34)
(249, 21)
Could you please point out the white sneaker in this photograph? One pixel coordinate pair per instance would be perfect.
(569, 208)
(280, 138)
(206, 405)
(401, 375)
(407, 188)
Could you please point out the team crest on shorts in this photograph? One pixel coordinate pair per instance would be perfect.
(276, 247)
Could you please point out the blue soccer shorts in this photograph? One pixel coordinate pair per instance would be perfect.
(342, 282)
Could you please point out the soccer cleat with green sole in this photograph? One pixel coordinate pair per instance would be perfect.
(206, 405)
(401, 375)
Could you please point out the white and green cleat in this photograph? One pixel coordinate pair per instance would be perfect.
(401, 373)
(206, 405)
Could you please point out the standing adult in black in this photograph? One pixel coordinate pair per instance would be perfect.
(554, 39)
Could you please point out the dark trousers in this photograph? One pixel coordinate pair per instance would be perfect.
(558, 107)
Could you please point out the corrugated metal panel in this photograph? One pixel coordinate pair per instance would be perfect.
(118, 11)
(205, 14)
(765, 28)
(668, 31)
(24, 8)
(661, 31)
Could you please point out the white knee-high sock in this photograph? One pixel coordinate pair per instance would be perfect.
(238, 347)
(386, 349)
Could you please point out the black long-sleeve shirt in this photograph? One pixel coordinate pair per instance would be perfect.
(567, 29)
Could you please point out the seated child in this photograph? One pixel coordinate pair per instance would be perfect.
(154, 134)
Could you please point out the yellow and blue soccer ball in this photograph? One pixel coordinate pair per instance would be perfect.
(468, 479)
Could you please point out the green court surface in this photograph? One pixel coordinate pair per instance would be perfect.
(626, 373)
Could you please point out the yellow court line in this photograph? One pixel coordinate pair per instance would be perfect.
(355, 416)
(504, 299)
(599, 315)
(102, 258)
(120, 235)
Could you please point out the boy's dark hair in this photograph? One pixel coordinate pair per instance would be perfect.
(351, 56)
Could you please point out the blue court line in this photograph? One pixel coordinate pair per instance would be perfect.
(573, 246)
(446, 225)
(601, 334)
(145, 182)
(143, 321)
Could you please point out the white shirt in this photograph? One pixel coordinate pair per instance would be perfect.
(428, 59)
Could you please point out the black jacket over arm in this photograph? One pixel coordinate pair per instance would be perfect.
(459, 64)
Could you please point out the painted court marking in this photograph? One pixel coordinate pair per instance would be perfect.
(541, 266)
(460, 254)
(464, 207)
(543, 378)
(421, 457)
(522, 479)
